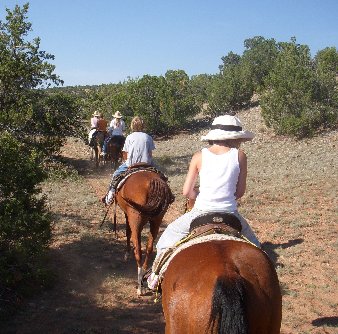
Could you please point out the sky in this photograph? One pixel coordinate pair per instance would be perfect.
(109, 41)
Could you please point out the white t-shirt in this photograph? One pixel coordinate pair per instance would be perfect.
(117, 130)
(139, 146)
(218, 181)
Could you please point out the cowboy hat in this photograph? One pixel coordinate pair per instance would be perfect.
(96, 114)
(227, 127)
(117, 115)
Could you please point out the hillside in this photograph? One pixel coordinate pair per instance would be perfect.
(291, 202)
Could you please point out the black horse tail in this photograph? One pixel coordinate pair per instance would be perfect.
(228, 306)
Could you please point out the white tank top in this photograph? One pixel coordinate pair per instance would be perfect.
(218, 181)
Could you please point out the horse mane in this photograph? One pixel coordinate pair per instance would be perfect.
(159, 198)
(228, 306)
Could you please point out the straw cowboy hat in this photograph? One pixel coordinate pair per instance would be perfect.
(96, 114)
(227, 127)
(117, 115)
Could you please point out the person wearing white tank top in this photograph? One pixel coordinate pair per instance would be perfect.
(218, 180)
(222, 172)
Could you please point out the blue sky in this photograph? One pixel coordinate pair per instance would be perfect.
(107, 41)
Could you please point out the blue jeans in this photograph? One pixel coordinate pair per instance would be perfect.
(111, 191)
(122, 168)
(104, 146)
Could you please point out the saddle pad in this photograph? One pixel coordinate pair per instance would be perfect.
(125, 177)
(118, 180)
(199, 240)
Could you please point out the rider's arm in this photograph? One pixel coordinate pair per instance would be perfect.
(241, 183)
(190, 180)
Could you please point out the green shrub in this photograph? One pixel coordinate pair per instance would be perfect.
(232, 88)
(25, 224)
(296, 100)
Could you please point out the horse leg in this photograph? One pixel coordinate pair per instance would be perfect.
(96, 155)
(138, 257)
(154, 227)
(136, 227)
(128, 235)
(99, 151)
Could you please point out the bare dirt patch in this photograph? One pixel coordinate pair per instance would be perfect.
(290, 202)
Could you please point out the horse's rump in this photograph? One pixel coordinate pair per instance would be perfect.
(99, 137)
(116, 140)
(230, 287)
(147, 193)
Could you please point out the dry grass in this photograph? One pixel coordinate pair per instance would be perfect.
(290, 202)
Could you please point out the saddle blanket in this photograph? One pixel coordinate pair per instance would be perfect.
(120, 182)
(195, 241)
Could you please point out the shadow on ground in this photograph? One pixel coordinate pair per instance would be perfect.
(90, 295)
(270, 248)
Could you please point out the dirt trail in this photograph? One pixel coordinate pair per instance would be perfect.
(291, 202)
(94, 290)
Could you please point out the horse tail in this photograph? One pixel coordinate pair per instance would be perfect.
(159, 197)
(228, 306)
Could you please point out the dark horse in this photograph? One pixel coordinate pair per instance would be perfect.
(144, 197)
(96, 147)
(221, 286)
(114, 150)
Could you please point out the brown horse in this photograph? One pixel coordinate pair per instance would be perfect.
(96, 147)
(114, 150)
(144, 197)
(221, 286)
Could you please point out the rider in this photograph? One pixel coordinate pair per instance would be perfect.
(116, 129)
(93, 125)
(222, 171)
(101, 128)
(137, 148)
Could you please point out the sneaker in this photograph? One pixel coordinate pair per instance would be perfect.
(145, 276)
(109, 197)
(153, 281)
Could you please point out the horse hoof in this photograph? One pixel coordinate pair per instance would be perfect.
(139, 291)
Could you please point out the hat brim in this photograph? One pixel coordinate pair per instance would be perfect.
(117, 116)
(218, 134)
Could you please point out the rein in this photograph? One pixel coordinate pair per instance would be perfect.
(189, 204)
(105, 216)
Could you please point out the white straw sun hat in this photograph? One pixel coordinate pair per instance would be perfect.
(117, 115)
(227, 127)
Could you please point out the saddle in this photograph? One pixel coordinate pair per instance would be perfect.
(120, 179)
(207, 224)
(215, 223)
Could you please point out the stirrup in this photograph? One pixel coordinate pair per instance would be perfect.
(145, 276)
